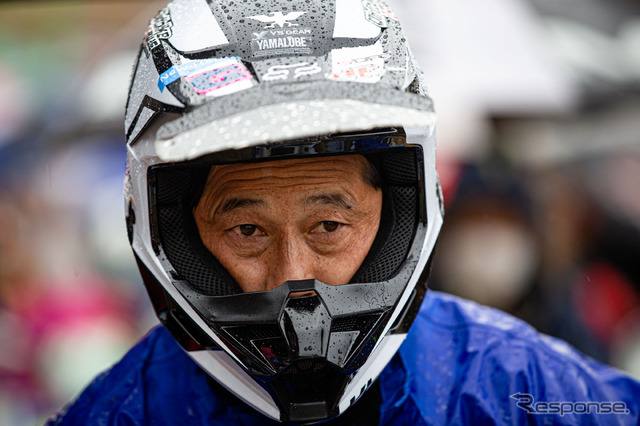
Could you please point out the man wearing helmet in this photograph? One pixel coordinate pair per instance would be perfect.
(283, 205)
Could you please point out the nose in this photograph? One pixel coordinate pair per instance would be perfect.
(290, 260)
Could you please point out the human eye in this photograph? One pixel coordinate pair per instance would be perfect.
(247, 230)
(327, 226)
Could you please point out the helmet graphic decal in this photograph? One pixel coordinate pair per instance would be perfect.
(295, 71)
(278, 19)
(160, 28)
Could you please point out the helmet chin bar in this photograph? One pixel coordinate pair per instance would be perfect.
(302, 350)
(327, 350)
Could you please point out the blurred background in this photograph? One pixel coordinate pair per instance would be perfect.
(539, 156)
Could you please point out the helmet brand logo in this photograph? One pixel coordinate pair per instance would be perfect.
(278, 19)
(282, 42)
(160, 28)
(283, 72)
(260, 35)
(279, 33)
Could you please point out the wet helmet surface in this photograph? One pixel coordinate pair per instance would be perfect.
(223, 82)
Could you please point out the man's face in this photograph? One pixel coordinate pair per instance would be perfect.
(268, 223)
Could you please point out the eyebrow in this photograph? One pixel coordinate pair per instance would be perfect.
(239, 203)
(333, 199)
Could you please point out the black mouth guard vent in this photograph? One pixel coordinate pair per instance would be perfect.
(302, 350)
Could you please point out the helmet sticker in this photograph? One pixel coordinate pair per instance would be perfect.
(373, 13)
(160, 28)
(211, 77)
(278, 19)
(281, 36)
(364, 64)
(189, 68)
(282, 42)
(285, 72)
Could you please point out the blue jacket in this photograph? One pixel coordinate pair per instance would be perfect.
(460, 364)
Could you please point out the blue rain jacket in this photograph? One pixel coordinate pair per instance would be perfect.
(461, 364)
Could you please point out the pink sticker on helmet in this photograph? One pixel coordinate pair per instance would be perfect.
(222, 78)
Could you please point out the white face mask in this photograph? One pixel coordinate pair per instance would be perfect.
(489, 262)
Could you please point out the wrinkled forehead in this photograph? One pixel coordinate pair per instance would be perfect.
(298, 170)
(342, 176)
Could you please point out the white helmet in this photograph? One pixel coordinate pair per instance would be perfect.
(227, 81)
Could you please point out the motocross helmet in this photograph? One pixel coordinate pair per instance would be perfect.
(221, 82)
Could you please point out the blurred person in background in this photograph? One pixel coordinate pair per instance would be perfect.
(489, 251)
(54, 332)
(550, 99)
(283, 205)
(66, 308)
(590, 275)
(547, 242)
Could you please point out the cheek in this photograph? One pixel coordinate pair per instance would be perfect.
(341, 267)
(247, 272)
(335, 272)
